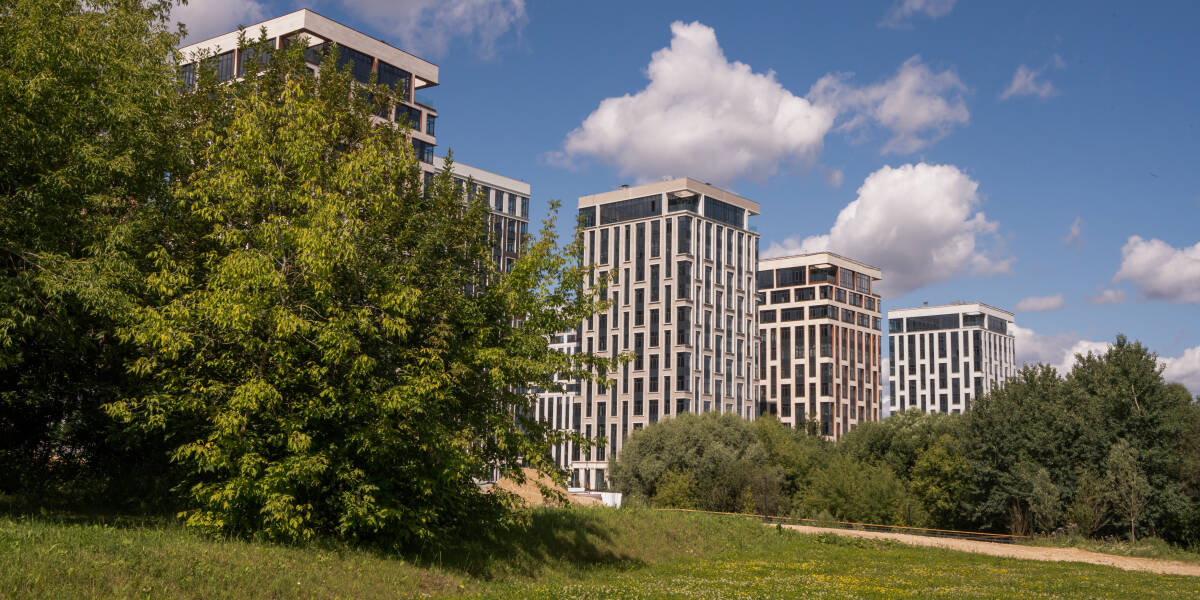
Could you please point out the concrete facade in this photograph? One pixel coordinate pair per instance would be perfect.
(682, 260)
(819, 341)
(943, 357)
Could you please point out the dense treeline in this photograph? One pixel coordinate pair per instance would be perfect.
(240, 300)
(1109, 449)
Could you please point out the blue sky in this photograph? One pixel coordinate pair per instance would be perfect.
(999, 152)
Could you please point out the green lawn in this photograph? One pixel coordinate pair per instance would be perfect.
(562, 553)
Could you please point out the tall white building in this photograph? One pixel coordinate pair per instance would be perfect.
(819, 341)
(393, 67)
(683, 261)
(508, 198)
(943, 357)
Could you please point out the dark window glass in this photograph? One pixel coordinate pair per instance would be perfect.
(791, 314)
(932, 322)
(396, 78)
(723, 212)
(766, 280)
(688, 203)
(997, 325)
(766, 316)
(587, 217)
(628, 210)
(251, 60)
(781, 296)
(790, 276)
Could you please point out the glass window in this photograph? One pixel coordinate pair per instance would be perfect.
(628, 210)
(430, 121)
(932, 322)
(395, 78)
(766, 280)
(254, 58)
(723, 212)
(805, 294)
(781, 296)
(790, 276)
(688, 203)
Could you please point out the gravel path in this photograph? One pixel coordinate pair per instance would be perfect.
(1129, 563)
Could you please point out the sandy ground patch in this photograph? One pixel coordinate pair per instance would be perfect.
(1129, 563)
(531, 494)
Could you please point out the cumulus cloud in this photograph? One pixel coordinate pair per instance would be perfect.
(1060, 350)
(701, 115)
(1075, 234)
(1160, 271)
(917, 106)
(1185, 369)
(917, 222)
(1025, 83)
(834, 177)
(1056, 350)
(904, 10)
(208, 18)
(1108, 296)
(1041, 303)
(427, 27)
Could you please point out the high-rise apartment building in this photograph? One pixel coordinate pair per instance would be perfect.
(819, 341)
(563, 410)
(942, 357)
(508, 200)
(365, 55)
(407, 74)
(682, 260)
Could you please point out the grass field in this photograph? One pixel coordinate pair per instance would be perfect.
(558, 553)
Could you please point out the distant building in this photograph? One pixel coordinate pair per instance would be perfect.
(404, 72)
(508, 200)
(563, 410)
(365, 55)
(819, 341)
(683, 303)
(943, 357)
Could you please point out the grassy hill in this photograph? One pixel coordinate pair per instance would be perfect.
(555, 553)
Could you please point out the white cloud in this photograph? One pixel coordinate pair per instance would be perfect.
(1185, 369)
(701, 115)
(1108, 296)
(1075, 235)
(904, 10)
(1057, 350)
(1041, 303)
(916, 222)
(208, 18)
(917, 105)
(1024, 83)
(1160, 271)
(834, 177)
(426, 27)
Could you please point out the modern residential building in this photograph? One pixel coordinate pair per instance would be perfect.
(508, 199)
(819, 341)
(563, 410)
(408, 74)
(944, 356)
(681, 257)
(365, 55)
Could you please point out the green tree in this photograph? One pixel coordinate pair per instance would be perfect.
(721, 455)
(1127, 484)
(88, 123)
(321, 344)
(939, 480)
(1089, 505)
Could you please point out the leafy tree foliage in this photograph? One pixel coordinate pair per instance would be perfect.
(87, 101)
(718, 458)
(325, 343)
(1041, 454)
(1129, 488)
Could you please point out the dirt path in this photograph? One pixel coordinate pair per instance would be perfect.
(1129, 563)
